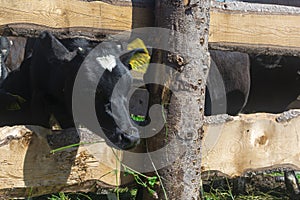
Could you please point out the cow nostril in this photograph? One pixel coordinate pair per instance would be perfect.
(132, 131)
(127, 139)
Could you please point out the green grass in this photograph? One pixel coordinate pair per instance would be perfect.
(65, 196)
(227, 195)
(61, 196)
(222, 190)
(129, 195)
(298, 177)
(218, 194)
(282, 174)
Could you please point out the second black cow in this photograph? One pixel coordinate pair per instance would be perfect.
(228, 83)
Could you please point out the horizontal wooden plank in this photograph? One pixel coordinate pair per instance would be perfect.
(252, 142)
(74, 13)
(252, 28)
(134, 3)
(262, 28)
(278, 2)
(28, 168)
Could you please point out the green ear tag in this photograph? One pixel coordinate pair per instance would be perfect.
(137, 118)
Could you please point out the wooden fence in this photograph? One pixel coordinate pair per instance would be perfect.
(247, 142)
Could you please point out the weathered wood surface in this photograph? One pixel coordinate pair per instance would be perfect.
(248, 142)
(27, 168)
(278, 2)
(247, 27)
(255, 28)
(135, 3)
(252, 142)
(71, 16)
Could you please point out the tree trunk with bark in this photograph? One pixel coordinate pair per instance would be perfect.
(182, 140)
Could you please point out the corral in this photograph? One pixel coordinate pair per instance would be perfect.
(247, 143)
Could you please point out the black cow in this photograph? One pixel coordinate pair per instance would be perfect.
(228, 83)
(42, 86)
(4, 51)
(17, 51)
(275, 84)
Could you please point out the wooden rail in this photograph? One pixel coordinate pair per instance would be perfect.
(252, 142)
(255, 28)
(28, 167)
(252, 28)
(70, 16)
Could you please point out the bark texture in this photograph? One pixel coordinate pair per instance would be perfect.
(182, 178)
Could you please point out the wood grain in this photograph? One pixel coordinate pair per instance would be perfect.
(246, 27)
(255, 29)
(28, 168)
(251, 142)
(73, 13)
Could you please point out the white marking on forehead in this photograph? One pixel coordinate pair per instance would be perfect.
(11, 42)
(107, 62)
(4, 51)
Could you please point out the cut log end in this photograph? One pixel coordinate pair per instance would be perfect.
(252, 142)
(28, 168)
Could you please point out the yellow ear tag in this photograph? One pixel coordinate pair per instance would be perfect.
(139, 61)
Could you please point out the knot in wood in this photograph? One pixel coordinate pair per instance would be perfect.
(186, 2)
(177, 61)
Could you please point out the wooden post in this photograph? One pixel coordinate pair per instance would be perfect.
(181, 178)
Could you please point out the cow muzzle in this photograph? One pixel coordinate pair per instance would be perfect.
(125, 139)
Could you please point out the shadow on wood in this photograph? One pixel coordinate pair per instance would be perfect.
(28, 168)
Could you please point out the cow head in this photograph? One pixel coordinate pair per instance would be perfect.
(99, 74)
(112, 109)
(103, 72)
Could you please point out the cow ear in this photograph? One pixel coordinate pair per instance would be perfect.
(54, 49)
(4, 47)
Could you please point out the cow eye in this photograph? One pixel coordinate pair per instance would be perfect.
(108, 108)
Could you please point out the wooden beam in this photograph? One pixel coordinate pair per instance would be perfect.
(134, 3)
(277, 2)
(255, 28)
(72, 15)
(238, 26)
(251, 142)
(28, 168)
